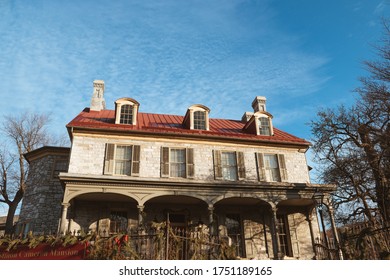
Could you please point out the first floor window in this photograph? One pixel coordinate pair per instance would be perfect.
(234, 230)
(122, 160)
(284, 235)
(118, 222)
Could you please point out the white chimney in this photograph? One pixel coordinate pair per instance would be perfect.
(258, 104)
(246, 117)
(97, 102)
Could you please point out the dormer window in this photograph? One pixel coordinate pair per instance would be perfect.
(260, 124)
(126, 110)
(264, 126)
(197, 117)
(200, 120)
(126, 116)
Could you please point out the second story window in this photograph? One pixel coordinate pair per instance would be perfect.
(229, 165)
(177, 162)
(126, 116)
(271, 167)
(264, 126)
(200, 120)
(122, 160)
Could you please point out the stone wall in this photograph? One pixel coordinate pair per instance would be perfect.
(41, 206)
(88, 157)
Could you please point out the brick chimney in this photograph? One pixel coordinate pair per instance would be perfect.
(97, 102)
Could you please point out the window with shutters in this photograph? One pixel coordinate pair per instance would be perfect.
(177, 162)
(229, 165)
(271, 167)
(122, 160)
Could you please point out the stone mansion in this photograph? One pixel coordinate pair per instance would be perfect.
(244, 179)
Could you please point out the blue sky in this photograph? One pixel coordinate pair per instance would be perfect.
(170, 54)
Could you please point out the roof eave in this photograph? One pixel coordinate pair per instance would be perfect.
(257, 141)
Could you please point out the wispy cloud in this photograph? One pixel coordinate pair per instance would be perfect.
(167, 55)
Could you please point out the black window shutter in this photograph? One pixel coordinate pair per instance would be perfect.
(135, 164)
(190, 162)
(164, 162)
(109, 159)
(217, 165)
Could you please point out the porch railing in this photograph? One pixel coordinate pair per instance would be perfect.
(164, 243)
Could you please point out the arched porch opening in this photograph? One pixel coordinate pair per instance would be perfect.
(297, 228)
(246, 224)
(103, 213)
(181, 211)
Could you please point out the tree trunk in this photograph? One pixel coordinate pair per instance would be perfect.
(9, 225)
(381, 184)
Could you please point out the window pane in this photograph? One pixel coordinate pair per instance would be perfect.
(123, 160)
(264, 127)
(126, 114)
(199, 120)
(178, 163)
(229, 165)
(272, 167)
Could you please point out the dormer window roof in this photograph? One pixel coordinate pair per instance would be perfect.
(126, 110)
(197, 117)
(259, 122)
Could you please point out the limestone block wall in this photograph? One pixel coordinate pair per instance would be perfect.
(88, 152)
(41, 206)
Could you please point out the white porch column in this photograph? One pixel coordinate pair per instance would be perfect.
(63, 217)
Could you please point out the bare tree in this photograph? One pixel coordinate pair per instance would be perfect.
(23, 134)
(353, 144)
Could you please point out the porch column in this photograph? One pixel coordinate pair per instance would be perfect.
(334, 231)
(276, 241)
(140, 216)
(309, 219)
(63, 217)
(211, 220)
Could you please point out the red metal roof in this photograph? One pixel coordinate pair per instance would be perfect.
(172, 124)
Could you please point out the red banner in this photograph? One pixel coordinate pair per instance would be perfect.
(45, 252)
